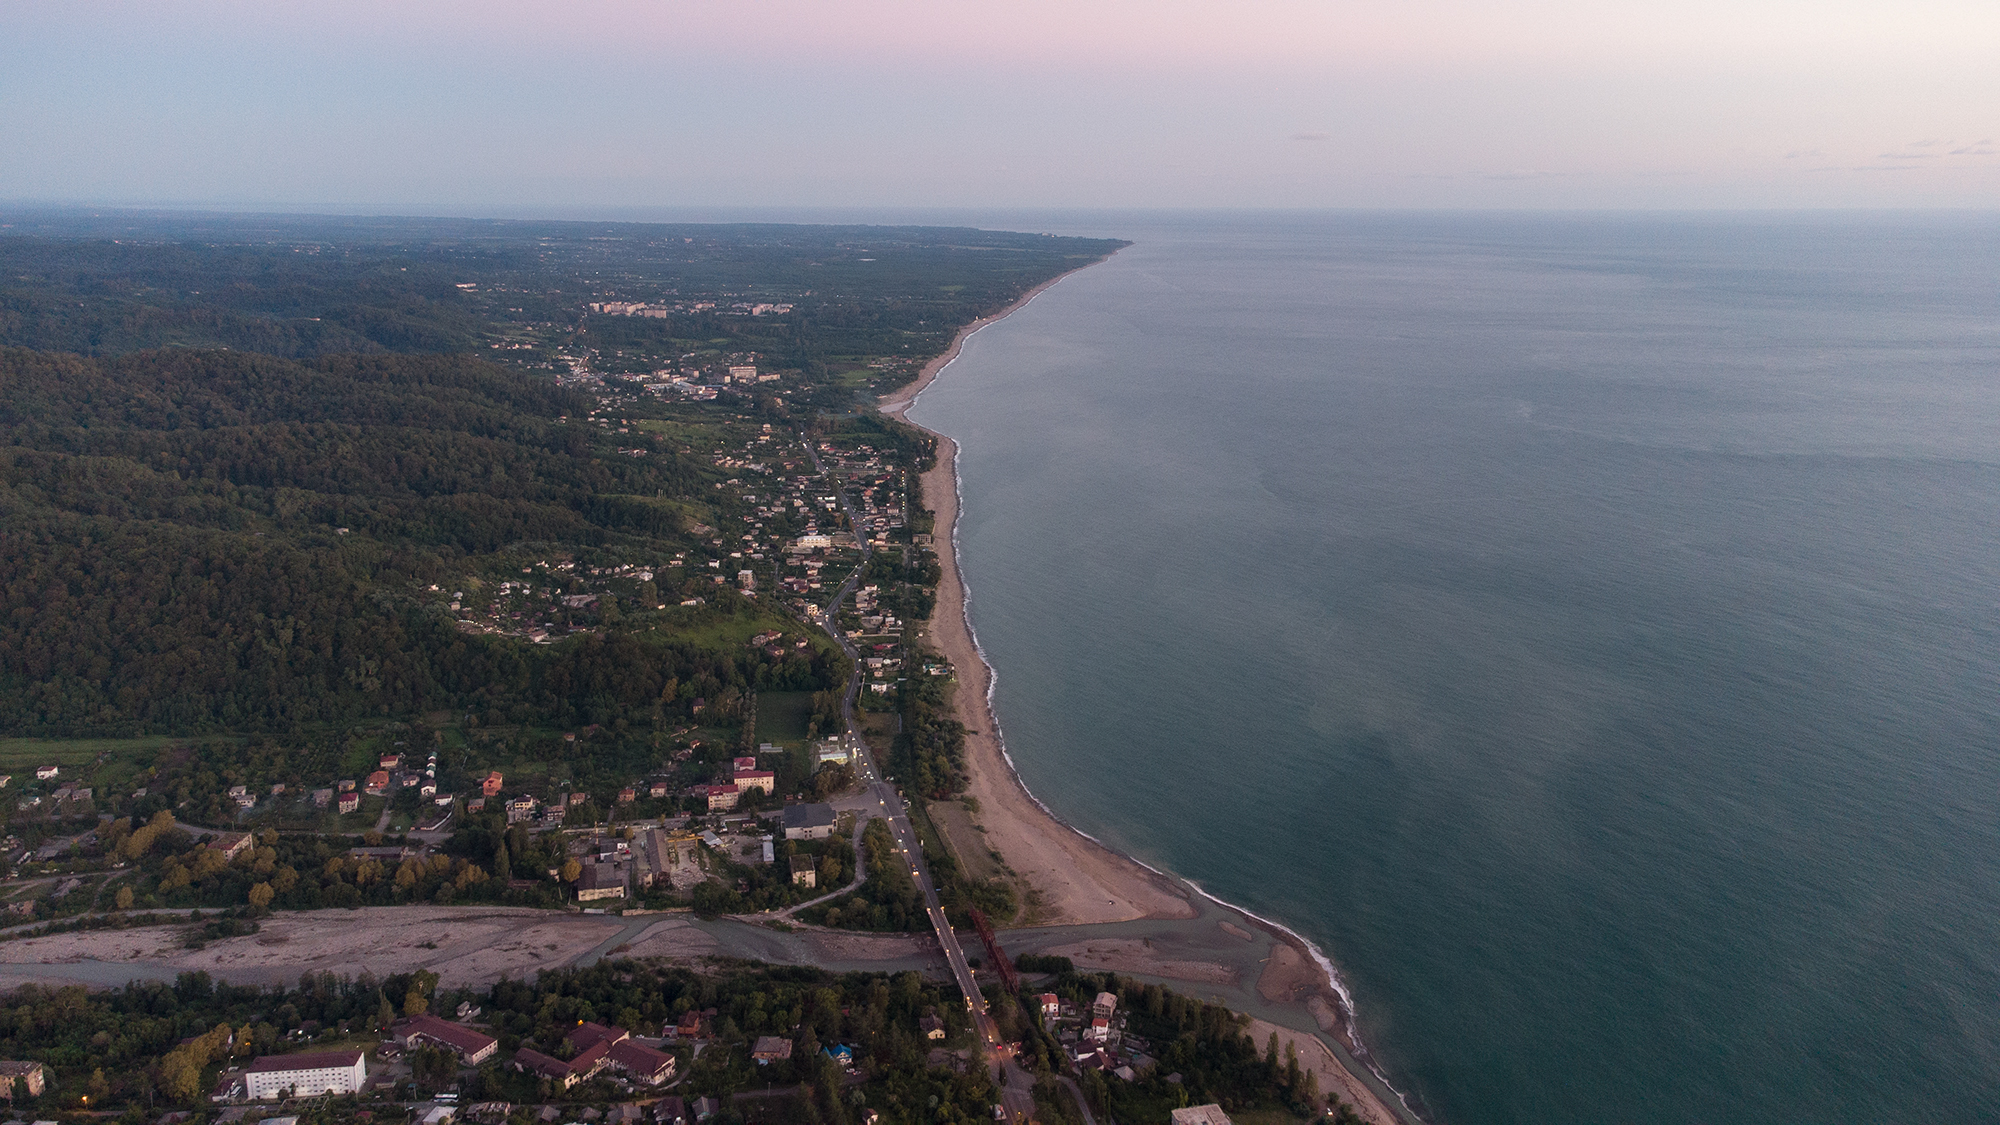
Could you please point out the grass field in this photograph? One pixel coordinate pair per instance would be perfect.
(26, 753)
(783, 717)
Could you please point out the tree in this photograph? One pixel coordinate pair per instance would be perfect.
(124, 899)
(260, 895)
(571, 871)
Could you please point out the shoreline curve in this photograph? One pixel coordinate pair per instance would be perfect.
(1141, 883)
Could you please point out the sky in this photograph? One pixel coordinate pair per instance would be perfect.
(504, 107)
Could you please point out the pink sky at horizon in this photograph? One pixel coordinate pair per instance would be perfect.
(1344, 103)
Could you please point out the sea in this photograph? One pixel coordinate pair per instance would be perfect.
(1584, 628)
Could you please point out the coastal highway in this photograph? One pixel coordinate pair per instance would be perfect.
(887, 799)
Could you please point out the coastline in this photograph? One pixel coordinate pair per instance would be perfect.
(1069, 878)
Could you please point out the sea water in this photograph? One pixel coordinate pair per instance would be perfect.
(1585, 629)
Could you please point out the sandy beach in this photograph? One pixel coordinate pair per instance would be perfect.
(1068, 879)
(1065, 877)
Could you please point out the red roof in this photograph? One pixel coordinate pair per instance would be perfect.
(639, 1059)
(312, 1060)
(753, 775)
(458, 1037)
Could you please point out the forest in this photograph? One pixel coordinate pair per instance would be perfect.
(202, 541)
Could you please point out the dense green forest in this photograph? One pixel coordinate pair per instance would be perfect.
(238, 453)
(196, 541)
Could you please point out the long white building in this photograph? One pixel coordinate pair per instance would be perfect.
(319, 1072)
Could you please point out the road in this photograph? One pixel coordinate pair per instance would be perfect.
(888, 801)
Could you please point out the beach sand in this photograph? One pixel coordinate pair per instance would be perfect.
(1066, 878)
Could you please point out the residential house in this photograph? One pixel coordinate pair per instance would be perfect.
(763, 780)
(31, 1073)
(804, 873)
(932, 1027)
(350, 801)
(1210, 1114)
(770, 1049)
(470, 1046)
(490, 785)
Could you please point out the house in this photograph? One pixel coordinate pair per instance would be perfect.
(470, 1046)
(657, 790)
(378, 783)
(1100, 1030)
(1051, 1005)
(770, 1049)
(490, 785)
(833, 750)
(1210, 1114)
(307, 1075)
(587, 1034)
(231, 844)
(690, 1026)
(743, 764)
(642, 1064)
(31, 1073)
(1105, 1004)
(839, 1053)
(322, 797)
(529, 1061)
(932, 1027)
(804, 873)
(720, 797)
(44, 773)
(763, 780)
(392, 761)
(627, 795)
(350, 801)
(671, 1110)
(808, 822)
(521, 808)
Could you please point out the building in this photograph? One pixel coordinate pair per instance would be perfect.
(521, 808)
(804, 873)
(1051, 1005)
(471, 1047)
(44, 773)
(350, 801)
(720, 797)
(490, 785)
(534, 1062)
(377, 783)
(808, 822)
(585, 1035)
(640, 1063)
(932, 1027)
(603, 879)
(1105, 1004)
(1210, 1114)
(743, 764)
(232, 844)
(31, 1073)
(771, 1048)
(307, 1075)
(1100, 1029)
(763, 780)
(833, 750)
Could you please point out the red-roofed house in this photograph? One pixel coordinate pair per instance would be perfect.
(756, 779)
(470, 1046)
(642, 1063)
(490, 785)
